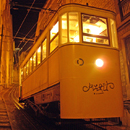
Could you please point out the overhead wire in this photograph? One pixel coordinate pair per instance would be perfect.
(22, 24)
(24, 18)
(31, 7)
(26, 42)
(28, 33)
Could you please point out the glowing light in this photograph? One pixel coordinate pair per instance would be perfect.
(39, 49)
(76, 39)
(94, 29)
(64, 24)
(99, 62)
(54, 30)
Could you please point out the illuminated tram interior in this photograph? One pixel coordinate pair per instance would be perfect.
(94, 30)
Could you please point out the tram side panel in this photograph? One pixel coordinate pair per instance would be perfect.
(52, 93)
(36, 82)
(53, 63)
(44, 77)
(85, 90)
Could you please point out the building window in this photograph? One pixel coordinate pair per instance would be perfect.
(94, 29)
(44, 49)
(39, 55)
(54, 37)
(124, 6)
(73, 27)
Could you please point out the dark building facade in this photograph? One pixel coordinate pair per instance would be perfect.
(6, 44)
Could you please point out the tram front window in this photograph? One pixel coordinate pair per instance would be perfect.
(73, 27)
(64, 28)
(94, 29)
(113, 33)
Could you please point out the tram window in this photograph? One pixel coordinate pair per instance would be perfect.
(27, 70)
(94, 27)
(30, 65)
(54, 37)
(54, 30)
(34, 61)
(44, 49)
(95, 40)
(21, 75)
(114, 34)
(64, 28)
(54, 44)
(24, 71)
(39, 55)
(73, 27)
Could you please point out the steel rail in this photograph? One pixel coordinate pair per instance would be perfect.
(21, 108)
(26, 115)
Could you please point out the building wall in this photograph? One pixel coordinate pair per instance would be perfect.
(6, 42)
(16, 74)
(123, 30)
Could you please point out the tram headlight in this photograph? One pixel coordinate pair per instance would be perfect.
(99, 62)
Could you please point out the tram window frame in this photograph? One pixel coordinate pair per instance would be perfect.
(69, 25)
(38, 59)
(27, 68)
(34, 66)
(44, 53)
(94, 35)
(31, 64)
(113, 33)
(52, 39)
(64, 28)
(22, 74)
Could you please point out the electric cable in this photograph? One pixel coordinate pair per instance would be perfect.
(26, 42)
(27, 33)
(24, 18)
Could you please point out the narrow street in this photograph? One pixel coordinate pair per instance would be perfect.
(13, 116)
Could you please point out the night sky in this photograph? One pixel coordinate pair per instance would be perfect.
(18, 14)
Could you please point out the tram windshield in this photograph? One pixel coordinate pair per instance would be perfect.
(94, 29)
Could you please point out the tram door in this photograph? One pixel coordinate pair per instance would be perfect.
(127, 47)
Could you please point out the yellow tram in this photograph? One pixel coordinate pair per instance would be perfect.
(74, 65)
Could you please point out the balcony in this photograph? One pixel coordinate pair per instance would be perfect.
(124, 6)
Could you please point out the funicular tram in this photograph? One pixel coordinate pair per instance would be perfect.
(74, 66)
